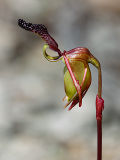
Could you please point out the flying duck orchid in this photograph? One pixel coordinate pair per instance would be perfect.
(77, 74)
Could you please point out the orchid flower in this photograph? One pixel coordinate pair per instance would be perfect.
(77, 74)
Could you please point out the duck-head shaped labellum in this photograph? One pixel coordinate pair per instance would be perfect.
(41, 30)
(77, 75)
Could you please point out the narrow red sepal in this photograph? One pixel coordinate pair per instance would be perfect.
(73, 104)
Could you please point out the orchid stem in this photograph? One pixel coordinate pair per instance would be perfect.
(99, 119)
(99, 139)
(99, 107)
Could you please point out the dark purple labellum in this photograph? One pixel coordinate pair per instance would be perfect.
(42, 31)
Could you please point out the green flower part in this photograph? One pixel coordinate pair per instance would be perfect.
(77, 74)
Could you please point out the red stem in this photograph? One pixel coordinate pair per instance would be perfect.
(99, 139)
(99, 109)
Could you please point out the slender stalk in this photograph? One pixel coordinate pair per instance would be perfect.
(99, 139)
(99, 82)
(99, 109)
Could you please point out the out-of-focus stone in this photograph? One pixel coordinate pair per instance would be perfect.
(33, 123)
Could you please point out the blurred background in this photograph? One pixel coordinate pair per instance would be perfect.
(33, 122)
